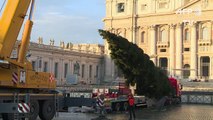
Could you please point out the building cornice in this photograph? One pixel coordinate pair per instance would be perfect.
(58, 50)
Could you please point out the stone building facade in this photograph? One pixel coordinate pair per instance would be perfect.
(61, 60)
(177, 34)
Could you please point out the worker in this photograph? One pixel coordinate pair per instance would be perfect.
(131, 101)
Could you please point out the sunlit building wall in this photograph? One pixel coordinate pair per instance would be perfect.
(177, 34)
(60, 60)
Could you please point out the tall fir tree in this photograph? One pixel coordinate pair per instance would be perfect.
(137, 67)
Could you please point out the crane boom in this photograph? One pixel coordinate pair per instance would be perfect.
(10, 25)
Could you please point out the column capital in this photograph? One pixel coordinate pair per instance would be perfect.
(172, 26)
(178, 25)
(193, 24)
(130, 28)
(143, 27)
(151, 27)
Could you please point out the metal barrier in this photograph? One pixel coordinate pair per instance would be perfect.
(79, 94)
(197, 97)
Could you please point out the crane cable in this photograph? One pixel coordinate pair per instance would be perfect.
(2, 5)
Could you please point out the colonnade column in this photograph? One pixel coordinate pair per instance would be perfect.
(51, 68)
(70, 68)
(61, 70)
(179, 45)
(172, 50)
(193, 53)
(153, 44)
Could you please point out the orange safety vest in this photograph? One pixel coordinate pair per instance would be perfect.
(131, 101)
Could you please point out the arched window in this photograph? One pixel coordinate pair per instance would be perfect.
(142, 37)
(187, 34)
(205, 33)
(163, 35)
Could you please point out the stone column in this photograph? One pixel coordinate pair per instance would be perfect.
(70, 71)
(179, 50)
(172, 50)
(198, 67)
(51, 68)
(61, 71)
(153, 43)
(193, 53)
(87, 72)
(93, 73)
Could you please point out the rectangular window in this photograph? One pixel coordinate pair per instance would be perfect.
(82, 72)
(120, 7)
(186, 49)
(45, 66)
(90, 71)
(56, 70)
(163, 5)
(65, 70)
(162, 50)
(33, 65)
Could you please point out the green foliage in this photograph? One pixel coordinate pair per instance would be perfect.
(137, 66)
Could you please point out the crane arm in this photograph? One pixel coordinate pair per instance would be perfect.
(10, 25)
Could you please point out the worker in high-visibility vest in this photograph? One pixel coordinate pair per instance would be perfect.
(131, 101)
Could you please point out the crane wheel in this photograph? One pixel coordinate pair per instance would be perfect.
(47, 110)
(117, 106)
(34, 110)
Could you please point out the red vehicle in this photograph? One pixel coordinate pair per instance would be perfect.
(176, 95)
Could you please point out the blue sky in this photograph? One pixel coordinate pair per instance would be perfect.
(75, 21)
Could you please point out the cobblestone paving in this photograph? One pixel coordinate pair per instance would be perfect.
(183, 112)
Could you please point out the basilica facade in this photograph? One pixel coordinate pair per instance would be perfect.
(176, 34)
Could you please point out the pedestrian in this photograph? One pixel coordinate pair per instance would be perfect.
(131, 101)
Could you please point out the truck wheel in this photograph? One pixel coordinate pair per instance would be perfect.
(34, 110)
(117, 107)
(47, 110)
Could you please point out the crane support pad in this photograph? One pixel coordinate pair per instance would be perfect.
(8, 107)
